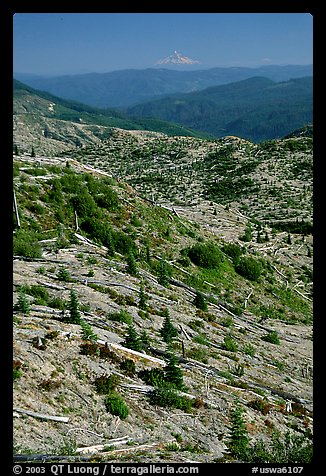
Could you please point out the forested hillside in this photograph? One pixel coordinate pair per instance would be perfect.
(255, 109)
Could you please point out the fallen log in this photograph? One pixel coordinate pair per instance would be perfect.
(16, 210)
(96, 448)
(42, 416)
(132, 449)
(44, 260)
(52, 286)
(185, 332)
(132, 354)
(103, 283)
(305, 297)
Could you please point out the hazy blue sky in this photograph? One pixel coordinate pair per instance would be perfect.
(69, 43)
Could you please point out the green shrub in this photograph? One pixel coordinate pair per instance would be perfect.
(39, 292)
(271, 337)
(128, 366)
(22, 305)
(290, 448)
(249, 350)
(206, 255)
(87, 331)
(131, 264)
(84, 204)
(16, 367)
(164, 272)
(168, 331)
(132, 340)
(123, 243)
(116, 405)
(167, 397)
(105, 196)
(227, 321)
(121, 316)
(41, 270)
(98, 230)
(143, 297)
(233, 250)
(173, 374)
(36, 208)
(73, 308)
(198, 354)
(63, 274)
(229, 344)
(69, 182)
(279, 364)
(154, 377)
(135, 221)
(239, 439)
(106, 383)
(25, 243)
(260, 405)
(90, 348)
(247, 236)
(195, 324)
(57, 303)
(200, 301)
(238, 370)
(249, 268)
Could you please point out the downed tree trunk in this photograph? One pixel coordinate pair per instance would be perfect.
(132, 449)
(16, 210)
(41, 415)
(89, 242)
(185, 332)
(96, 448)
(138, 388)
(103, 283)
(44, 260)
(305, 297)
(180, 284)
(52, 286)
(132, 354)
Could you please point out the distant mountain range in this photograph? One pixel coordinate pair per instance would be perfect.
(128, 87)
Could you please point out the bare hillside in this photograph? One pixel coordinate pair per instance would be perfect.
(102, 271)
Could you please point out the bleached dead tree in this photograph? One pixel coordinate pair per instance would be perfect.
(16, 210)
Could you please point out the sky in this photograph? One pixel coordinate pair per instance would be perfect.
(76, 43)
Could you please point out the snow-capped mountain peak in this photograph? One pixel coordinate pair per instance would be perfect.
(177, 58)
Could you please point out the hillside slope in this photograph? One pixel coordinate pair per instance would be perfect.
(98, 270)
(270, 182)
(255, 109)
(50, 124)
